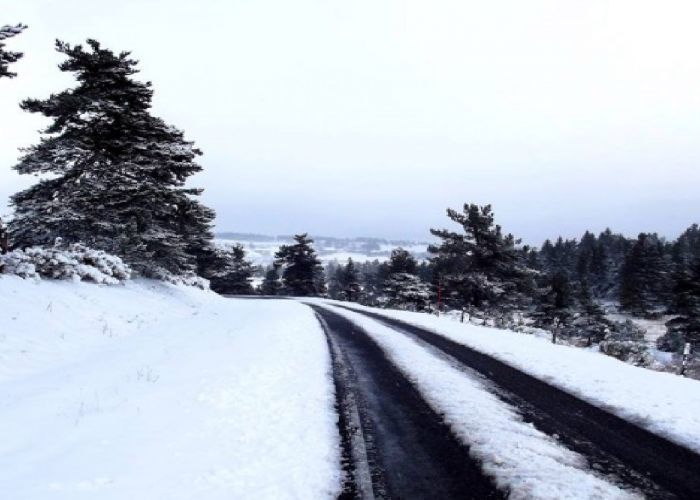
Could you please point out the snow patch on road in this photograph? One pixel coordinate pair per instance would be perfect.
(158, 391)
(523, 460)
(663, 403)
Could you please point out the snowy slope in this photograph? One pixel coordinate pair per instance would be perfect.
(664, 403)
(151, 391)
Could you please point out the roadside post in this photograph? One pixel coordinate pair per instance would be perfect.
(555, 323)
(686, 356)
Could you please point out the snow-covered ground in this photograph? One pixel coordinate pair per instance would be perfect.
(523, 460)
(664, 403)
(261, 250)
(153, 391)
(150, 390)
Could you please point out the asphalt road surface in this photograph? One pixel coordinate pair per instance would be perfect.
(395, 445)
(412, 453)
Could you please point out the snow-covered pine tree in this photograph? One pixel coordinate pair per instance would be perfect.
(402, 287)
(644, 277)
(406, 291)
(7, 57)
(349, 281)
(608, 261)
(479, 267)
(591, 322)
(554, 301)
(302, 272)
(686, 326)
(271, 282)
(401, 261)
(334, 271)
(118, 172)
(372, 278)
(235, 275)
(4, 238)
(320, 281)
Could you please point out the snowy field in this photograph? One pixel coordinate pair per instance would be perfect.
(664, 403)
(261, 251)
(151, 391)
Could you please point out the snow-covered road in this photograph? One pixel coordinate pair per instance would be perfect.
(153, 391)
(405, 444)
(533, 439)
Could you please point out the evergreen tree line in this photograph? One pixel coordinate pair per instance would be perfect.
(478, 268)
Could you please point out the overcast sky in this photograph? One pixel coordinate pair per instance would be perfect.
(370, 117)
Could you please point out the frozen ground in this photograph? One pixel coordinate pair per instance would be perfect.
(664, 403)
(151, 391)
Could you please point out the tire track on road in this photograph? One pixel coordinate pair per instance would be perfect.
(410, 451)
(641, 459)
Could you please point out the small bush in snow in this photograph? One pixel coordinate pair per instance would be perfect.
(629, 351)
(626, 342)
(189, 279)
(75, 262)
(672, 341)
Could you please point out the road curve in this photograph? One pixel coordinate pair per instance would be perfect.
(395, 445)
(643, 460)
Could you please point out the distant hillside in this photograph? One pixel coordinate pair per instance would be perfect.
(261, 248)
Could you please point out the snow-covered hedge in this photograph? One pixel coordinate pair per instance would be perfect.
(74, 262)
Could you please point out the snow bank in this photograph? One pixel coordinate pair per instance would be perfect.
(154, 391)
(523, 460)
(663, 403)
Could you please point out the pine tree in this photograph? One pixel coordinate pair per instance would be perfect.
(644, 276)
(4, 238)
(591, 322)
(271, 283)
(334, 271)
(401, 261)
(235, 275)
(373, 274)
(320, 281)
(684, 253)
(118, 172)
(611, 253)
(480, 267)
(555, 301)
(7, 57)
(349, 282)
(407, 291)
(686, 326)
(302, 272)
(402, 287)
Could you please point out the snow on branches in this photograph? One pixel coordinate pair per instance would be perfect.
(7, 57)
(75, 262)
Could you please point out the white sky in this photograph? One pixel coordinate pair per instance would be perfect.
(370, 117)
